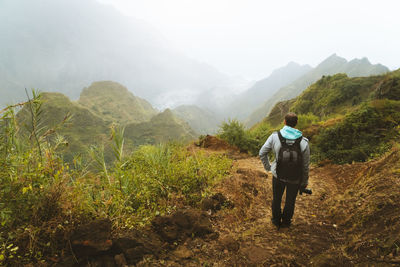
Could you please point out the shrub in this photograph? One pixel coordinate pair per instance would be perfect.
(361, 135)
(235, 134)
(141, 184)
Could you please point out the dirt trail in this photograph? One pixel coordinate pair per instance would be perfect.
(246, 236)
(260, 242)
(241, 233)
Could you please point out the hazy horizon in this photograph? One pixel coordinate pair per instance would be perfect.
(252, 38)
(182, 51)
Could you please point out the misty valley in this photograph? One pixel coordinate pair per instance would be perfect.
(118, 149)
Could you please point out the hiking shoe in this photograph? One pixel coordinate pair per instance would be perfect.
(285, 224)
(275, 222)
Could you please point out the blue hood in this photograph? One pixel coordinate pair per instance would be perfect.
(290, 133)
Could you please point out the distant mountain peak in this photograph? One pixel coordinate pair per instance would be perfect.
(332, 59)
(289, 68)
(114, 102)
(105, 87)
(363, 60)
(293, 64)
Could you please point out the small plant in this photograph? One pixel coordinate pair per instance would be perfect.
(235, 134)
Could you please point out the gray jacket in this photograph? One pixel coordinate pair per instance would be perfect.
(273, 143)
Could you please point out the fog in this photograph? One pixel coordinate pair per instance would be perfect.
(181, 51)
(253, 37)
(65, 45)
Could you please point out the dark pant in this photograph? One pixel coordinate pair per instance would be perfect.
(278, 187)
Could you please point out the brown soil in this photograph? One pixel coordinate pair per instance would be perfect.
(214, 143)
(234, 228)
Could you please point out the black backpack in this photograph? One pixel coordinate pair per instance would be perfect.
(290, 160)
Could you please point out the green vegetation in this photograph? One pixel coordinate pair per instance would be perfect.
(277, 114)
(235, 134)
(163, 127)
(82, 129)
(346, 119)
(115, 104)
(42, 198)
(361, 135)
(335, 94)
(250, 141)
(87, 127)
(330, 66)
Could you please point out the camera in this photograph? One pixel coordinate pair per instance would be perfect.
(305, 191)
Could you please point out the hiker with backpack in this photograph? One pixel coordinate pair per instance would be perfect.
(289, 169)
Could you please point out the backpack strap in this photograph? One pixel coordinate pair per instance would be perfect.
(298, 140)
(281, 138)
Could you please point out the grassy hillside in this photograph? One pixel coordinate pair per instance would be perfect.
(361, 135)
(82, 130)
(346, 119)
(335, 94)
(92, 126)
(338, 94)
(330, 66)
(114, 103)
(161, 128)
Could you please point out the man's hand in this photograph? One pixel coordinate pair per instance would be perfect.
(302, 188)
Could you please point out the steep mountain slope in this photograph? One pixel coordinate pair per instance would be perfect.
(114, 103)
(245, 102)
(82, 130)
(163, 127)
(66, 44)
(338, 94)
(329, 66)
(86, 128)
(200, 120)
(346, 119)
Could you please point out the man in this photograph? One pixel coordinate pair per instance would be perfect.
(289, 169)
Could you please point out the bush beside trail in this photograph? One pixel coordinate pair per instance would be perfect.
(361, 135)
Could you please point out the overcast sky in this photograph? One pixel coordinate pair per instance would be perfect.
(253, 37)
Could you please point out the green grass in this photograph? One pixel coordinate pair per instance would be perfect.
(42, 197)
(114, 103)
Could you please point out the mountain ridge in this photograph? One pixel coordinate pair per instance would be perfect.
(245, 102)
(89, 126)
(331, 65)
